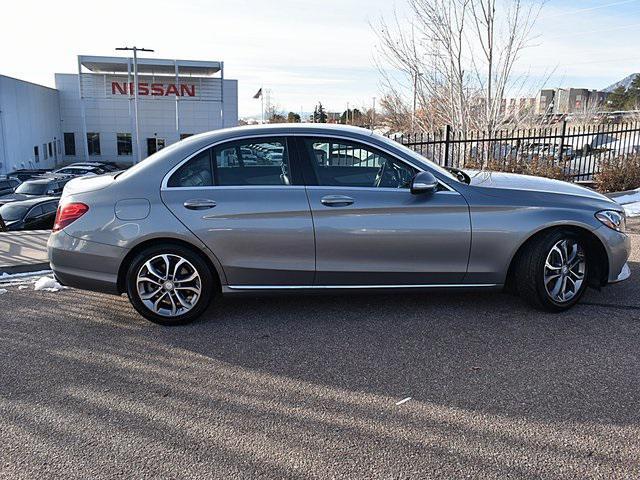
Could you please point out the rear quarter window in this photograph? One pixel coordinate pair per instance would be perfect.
(194, 173)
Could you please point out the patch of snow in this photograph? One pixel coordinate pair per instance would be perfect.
(629, 200)
(3, 290)
(629, 196)
(632, 209)
(9, 276)
(47, 284)
(23, 287)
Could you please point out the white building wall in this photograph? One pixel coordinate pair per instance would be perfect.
(29, 117)
(109, 115)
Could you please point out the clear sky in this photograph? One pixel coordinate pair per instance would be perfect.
(304, 51)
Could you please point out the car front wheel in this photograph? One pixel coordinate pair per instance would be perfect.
(552, 273)
(169, 284)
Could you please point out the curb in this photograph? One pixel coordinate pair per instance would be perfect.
(33, 267)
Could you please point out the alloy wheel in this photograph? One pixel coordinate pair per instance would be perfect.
(564, 270)
(169, 285)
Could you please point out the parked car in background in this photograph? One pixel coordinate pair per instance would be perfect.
(107, 166)
(50, 186)
(80, 170)
(27, 173)
(187, 224)
(34, 214)
(104, 166)
(8, 185)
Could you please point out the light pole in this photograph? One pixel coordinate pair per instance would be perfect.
(416, 75)
(135, 51)
(373, 115)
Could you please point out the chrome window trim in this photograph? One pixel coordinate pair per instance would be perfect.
(165, 179)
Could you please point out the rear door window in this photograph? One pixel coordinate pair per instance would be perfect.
(50, 207)
(262, 161)
(34, 212)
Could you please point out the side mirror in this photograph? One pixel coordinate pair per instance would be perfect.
(424, 182)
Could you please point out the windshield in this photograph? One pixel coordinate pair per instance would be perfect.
(422, 159)
(10, 212)
(29, 188)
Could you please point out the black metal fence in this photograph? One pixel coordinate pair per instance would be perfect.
(575, 153)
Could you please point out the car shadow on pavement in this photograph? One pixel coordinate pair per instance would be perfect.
(307, 387)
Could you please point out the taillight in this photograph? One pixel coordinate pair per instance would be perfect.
(69, 213)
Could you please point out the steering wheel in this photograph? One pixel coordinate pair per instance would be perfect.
(387, 175)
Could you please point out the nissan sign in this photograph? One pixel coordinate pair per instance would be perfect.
(154, 89)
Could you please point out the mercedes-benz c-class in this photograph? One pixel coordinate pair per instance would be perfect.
(300, 208)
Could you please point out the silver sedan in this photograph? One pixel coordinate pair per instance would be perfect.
(309, 207)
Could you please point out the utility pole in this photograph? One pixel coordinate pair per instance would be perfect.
(347, 120)
(135, 51)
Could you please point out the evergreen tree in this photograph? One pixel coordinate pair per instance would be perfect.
(319, 114)
(617, 100)
(633, 94)
(293, 117)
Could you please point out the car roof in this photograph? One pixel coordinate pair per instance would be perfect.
(178, 151)
(47, 179)
(30, 202)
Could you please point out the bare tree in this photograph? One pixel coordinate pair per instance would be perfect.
(457, 57)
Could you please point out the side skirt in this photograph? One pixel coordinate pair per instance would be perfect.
(265, 289)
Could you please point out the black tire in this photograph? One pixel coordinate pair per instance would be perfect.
(530, 272)
(206, 282)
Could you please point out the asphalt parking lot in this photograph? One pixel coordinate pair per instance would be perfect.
(307, 387)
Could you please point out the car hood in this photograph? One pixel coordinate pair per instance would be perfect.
(14, 197)
(530, 183)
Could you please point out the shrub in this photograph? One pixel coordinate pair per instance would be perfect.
(538, 166)
(619, 174)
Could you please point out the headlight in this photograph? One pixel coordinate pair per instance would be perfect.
(613, 219)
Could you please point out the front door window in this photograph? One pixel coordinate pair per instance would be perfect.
(339, 163)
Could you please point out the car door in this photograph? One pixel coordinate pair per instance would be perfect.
(370, 229)
(253, 214)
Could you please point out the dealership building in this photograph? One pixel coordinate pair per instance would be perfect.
(91, 115)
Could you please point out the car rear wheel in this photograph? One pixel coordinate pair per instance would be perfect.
(169, 284)
(552, 272)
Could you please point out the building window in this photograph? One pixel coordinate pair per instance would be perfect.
(44, 151)
(51, 149)
(124, 144)
(70, 144)
(185, 135)
(36, 154)
(93, 143)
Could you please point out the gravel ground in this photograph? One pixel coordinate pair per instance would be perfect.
(307, 387)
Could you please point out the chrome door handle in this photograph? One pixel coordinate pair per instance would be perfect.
(336, 200)
(199, 204)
